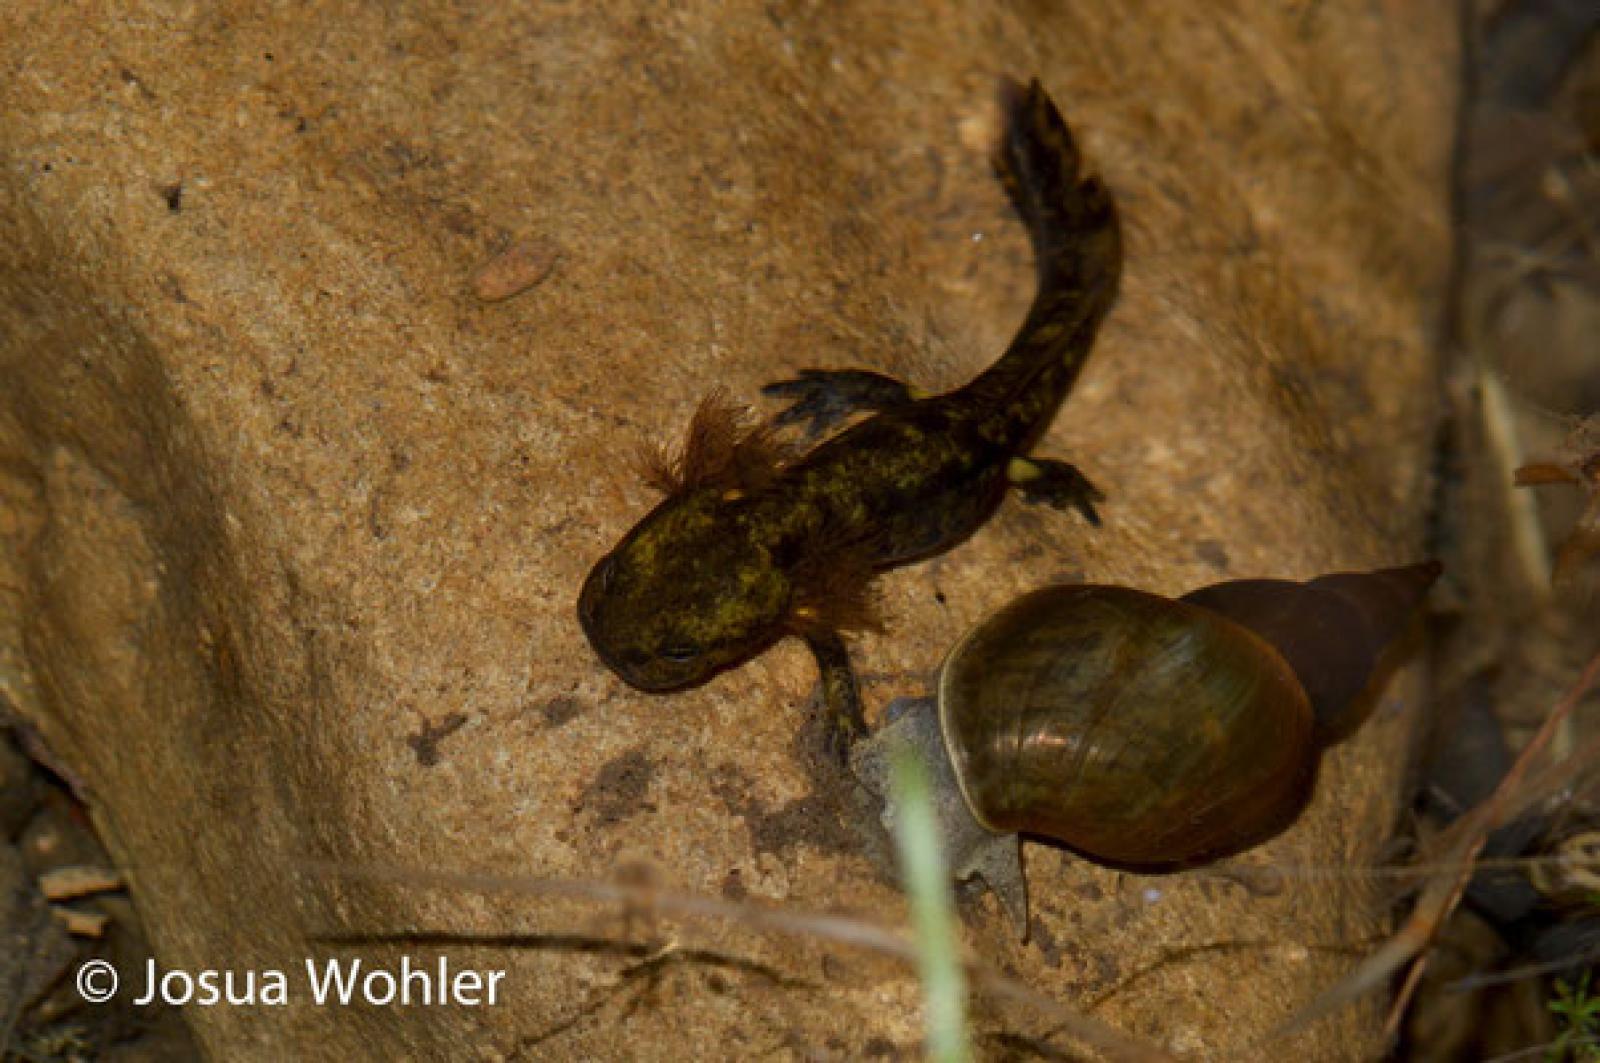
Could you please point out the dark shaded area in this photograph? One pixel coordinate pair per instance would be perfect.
(1523, 372)
(425, 743)
(43, 1019)
(815, 819)
(618, 790)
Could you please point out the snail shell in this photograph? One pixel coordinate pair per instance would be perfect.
(1144, 731)
(1134, 728)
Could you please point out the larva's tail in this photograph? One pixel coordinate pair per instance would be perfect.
(1077, 242)
(1077, 246)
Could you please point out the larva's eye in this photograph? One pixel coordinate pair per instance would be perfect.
(681, 653)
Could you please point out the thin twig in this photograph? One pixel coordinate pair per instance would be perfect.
(840, 929)
(1484, 819)
(1464, 840)
(1520, 974)
(1542, 1051)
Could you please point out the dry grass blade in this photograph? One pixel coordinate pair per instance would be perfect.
(841, 929)
(1522, 512)
(1462, 842)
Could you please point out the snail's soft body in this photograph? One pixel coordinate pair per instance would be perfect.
(1143, 731)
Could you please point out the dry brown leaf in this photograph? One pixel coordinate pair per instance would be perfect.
(80, 880)
(1577, 461)
(515, 270)
(80, 923)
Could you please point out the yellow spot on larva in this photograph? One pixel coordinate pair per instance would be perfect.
(732, 494)
(1021, 470)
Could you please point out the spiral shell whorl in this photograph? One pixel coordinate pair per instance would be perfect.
(1137, 729)
(1333, 630)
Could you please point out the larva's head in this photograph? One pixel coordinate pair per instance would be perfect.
(686, 594)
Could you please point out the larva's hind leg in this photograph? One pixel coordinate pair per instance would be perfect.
(1056, 484)
(822, 398)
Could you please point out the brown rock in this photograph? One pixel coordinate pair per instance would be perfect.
(278, 494)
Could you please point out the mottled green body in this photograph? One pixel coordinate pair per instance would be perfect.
(749, 548)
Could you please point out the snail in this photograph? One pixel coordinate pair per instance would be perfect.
(1143, 732)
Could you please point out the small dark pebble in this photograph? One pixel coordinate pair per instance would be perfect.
(558, 711)
(1212, 553)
